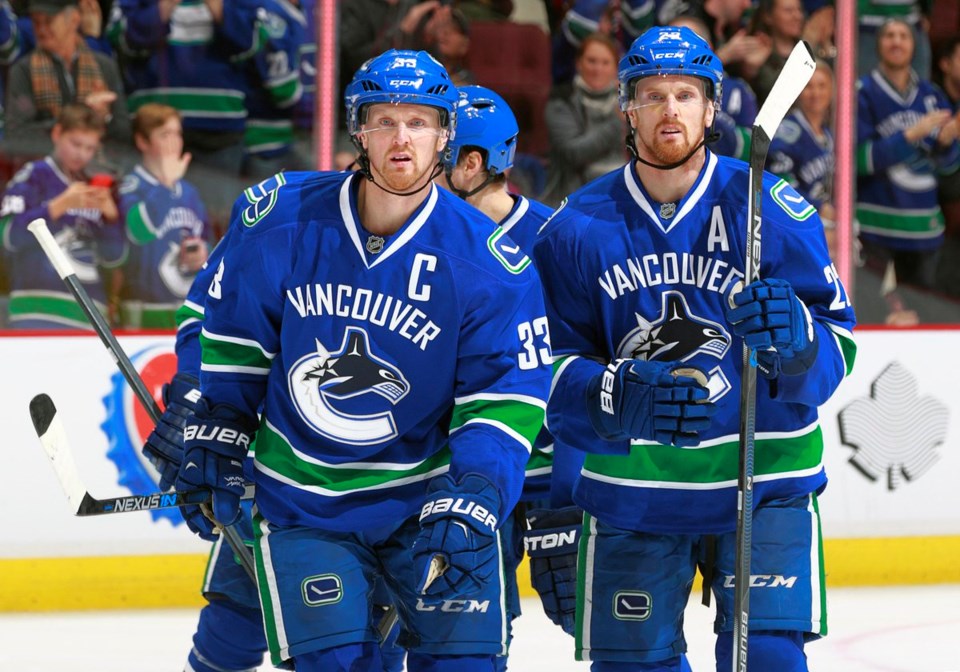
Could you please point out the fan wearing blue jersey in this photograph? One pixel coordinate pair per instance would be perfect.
(906, 137)
(380, 323)
(643, 272)
(480, 155)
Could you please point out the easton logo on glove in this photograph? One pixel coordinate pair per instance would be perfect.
(464, 507)
(553, 540)
(226, 435)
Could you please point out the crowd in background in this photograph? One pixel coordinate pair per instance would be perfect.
(131, 126)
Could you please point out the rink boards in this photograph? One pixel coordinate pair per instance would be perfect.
(889, 512)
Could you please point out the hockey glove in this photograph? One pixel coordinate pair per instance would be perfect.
(634, 399)
(164, 447)
(551, 542)
(777, 325)
(459, 523)
(216, 440)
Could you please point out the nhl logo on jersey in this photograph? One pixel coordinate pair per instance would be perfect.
(668, 210)
(375, 244)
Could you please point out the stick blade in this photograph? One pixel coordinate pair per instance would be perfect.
(796, 72)
(53, 439)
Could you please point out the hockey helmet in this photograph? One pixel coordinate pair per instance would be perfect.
(485, 120)
(670, 51)
(395, 76)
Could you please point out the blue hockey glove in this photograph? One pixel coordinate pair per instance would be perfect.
(776, 324)
(215, 442)
(164, 447)
(634, 399)
(551, 542)
(459, 524)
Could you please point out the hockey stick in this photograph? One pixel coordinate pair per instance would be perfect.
(61, 263)
(53, 438)
(794, 76)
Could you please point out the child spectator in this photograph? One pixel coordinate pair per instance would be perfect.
(81, 216)
(165, 221)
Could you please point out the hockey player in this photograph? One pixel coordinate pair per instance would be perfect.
(381, 324)
(81, 215)
(476, 168)
(641, 270)
(165, 220)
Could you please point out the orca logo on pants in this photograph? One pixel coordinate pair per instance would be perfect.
(320, 590)
(632, 605)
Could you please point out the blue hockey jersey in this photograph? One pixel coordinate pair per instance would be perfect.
(36, 291)
(622, 280)
(804, 159)
(897, 181)
(376, 370)
(157, 219)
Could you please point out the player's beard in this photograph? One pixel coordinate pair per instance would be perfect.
(669, 152)
(403, 181)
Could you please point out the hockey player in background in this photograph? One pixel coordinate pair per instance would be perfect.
(641, 270)
(165, 220)
(481, 153)
(380, 323)
(82, 215)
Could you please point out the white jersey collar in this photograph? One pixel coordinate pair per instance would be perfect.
(686, 203)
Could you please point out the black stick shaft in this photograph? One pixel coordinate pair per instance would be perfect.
(64, 268)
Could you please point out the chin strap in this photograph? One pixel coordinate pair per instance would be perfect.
(363, 163)
(709, 137)
(463, 193)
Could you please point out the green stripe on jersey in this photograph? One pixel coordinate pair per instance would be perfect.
(275, 452)
(714, 465)
(234, 355)
(55, 306)
(917, 224)
(524, 418)
(209, 103)
(188, 312)
(139, 227)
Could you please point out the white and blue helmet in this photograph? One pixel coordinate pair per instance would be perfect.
(484, 120)
(395, 76)
(670, 51)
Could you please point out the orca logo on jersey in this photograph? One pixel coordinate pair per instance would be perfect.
(677, 334)
(341, 395)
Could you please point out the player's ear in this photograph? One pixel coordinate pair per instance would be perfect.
(711, 113)
(441, 141)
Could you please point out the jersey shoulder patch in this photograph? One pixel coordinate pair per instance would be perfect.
(507, 252)
(261, 199)
(791, 202)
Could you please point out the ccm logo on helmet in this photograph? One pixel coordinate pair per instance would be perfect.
(669, 54)
(415, 83)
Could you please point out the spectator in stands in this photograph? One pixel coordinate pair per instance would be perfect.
(191, 56)
(165, 222)
(802, 151)
(451, 42)
(948, 277)
(623, 20)
(81, 216)
(485, 10)
(60, 70)
(782, 21)
(274, 88)
(584, 121)
(906, 136)
(370, 27)
(872, 14)
(733, 123)
(11, 46)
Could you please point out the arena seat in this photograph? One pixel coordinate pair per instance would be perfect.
(513, 59)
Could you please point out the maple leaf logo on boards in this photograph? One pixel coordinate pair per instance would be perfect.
(895, 432)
